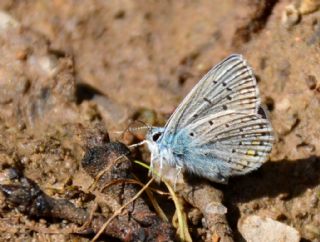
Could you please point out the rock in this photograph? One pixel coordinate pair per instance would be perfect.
(7, 21)
(290, 16)
(309, 6)
(255, 228)
(216, 208)
(311, 81)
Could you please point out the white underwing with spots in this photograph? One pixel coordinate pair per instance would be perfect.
(219, 130)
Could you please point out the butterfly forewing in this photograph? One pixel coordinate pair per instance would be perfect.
(229, 85)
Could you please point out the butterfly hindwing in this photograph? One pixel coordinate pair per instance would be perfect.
(225, 144)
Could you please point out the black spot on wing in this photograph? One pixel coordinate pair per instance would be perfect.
(207, 100)
(262, 113)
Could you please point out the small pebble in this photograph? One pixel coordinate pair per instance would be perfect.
(216, 208)
(309, 6)
(256, 228)
(313, 232)
(22, 55)
(195, 216)
(290, 16)
(311, 81)
(7, 21)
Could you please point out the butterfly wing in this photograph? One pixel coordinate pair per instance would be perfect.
(230, 85)
(218, 130)
(224, 144)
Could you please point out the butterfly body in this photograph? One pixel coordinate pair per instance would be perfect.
(219, 130)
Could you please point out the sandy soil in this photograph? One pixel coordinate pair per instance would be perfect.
(66, 67)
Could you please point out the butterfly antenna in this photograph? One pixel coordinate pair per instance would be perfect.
(130, 129)
(145, 126)
(116, 132)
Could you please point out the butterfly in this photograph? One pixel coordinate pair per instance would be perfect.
(220, 129)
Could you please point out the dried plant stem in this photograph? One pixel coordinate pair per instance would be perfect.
(182, 221)
(117, 212)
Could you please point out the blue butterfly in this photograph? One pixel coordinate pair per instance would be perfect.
(219, 130)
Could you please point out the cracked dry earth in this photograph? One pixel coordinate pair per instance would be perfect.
(68, 68)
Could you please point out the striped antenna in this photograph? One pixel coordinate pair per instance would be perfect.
(145, 126)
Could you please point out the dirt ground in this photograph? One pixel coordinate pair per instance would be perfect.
(67, 67)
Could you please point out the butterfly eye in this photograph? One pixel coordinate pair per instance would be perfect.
(156, 136)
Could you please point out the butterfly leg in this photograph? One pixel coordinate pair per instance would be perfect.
(151, 164)
(138, 144)
(161, 165)
(179, 168)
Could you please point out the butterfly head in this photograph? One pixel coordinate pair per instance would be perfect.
(153, 137)
(154, 134)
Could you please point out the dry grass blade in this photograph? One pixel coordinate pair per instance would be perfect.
(154, 202)
(100, 174)
(183, 230)
(132, 181)
(116, 213)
